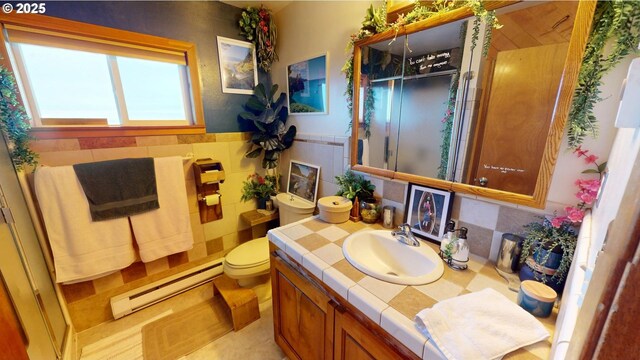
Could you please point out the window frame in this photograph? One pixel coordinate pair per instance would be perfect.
(126, 39)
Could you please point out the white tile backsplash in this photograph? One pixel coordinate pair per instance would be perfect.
(479, 213)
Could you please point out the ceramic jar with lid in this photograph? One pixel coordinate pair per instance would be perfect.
(334, 209)
(537, 298)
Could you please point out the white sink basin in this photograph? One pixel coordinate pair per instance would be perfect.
(378, 254)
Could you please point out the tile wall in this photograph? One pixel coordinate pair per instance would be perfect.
(88, 302)
(486, 220)
(329, 152)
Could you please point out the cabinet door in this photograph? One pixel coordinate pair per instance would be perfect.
(353, 341)
(303, 315)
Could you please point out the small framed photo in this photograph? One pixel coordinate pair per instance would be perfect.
(307, 86)
(238, 66)
(303, 180)
(428, 211)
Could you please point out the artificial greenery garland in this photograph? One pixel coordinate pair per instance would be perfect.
(618, 20)
(257, 26)
(375, 22)
(449, 115)
(14, 122)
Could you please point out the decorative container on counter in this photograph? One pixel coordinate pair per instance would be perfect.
(369, 211)
(334, 209)
(536, 298)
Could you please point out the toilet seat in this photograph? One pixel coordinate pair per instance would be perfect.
(248, 259)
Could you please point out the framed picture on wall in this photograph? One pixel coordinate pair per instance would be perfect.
(238, 66)
(307, 86)
(303, 180)
(428, 211)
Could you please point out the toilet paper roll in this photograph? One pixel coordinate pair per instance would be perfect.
(211, 200)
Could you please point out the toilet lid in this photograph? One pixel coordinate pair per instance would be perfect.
(250, 254)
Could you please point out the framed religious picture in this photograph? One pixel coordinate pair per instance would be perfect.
(428, 210)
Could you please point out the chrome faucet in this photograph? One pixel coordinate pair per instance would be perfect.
(405, 236)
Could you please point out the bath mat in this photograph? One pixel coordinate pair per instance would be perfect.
(184, 332)
(125, 345)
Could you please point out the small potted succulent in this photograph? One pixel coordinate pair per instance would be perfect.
(549, 246)
(260, 188)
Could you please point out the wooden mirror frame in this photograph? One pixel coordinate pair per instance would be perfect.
(573, 61)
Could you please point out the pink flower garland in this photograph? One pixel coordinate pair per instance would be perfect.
(588, 191)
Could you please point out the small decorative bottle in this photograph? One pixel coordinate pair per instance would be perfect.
(460, 255)
(449, 236)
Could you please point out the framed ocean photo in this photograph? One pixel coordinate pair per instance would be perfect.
(238, 66)
(307, 86)
(303, 180)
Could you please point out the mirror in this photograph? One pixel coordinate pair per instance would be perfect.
(433, 112)
(400, 97)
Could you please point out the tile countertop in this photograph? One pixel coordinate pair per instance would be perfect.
(317, 246)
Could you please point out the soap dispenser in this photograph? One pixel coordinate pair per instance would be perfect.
(449, 236)
(460, 254)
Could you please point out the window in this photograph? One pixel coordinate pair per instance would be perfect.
(102, 78)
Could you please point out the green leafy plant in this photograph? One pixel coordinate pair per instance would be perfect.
(258, 26)
(14, 122)
(269, 117)
(615, 33)
(351, 186)
(560, 230)
(447, 120)
(545, 236)
(258, 187)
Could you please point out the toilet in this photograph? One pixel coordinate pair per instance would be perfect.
(249, 262)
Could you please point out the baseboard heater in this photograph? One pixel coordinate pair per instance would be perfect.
(140, 298)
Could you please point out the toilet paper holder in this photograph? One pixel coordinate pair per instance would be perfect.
(208, 174)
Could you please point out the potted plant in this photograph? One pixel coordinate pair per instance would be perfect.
(549, 246)
(354, 186)
(360, 191)
(270, 118)
(259, 188)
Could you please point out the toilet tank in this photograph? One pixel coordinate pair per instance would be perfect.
(293, 208)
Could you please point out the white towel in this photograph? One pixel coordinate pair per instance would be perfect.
(82, 249)
(167, 230)
(480, 325)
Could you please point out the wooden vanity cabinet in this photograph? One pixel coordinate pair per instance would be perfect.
(353, 341)
(310, 324)
(302, 314)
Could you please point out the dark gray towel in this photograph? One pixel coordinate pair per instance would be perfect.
(118, 188)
